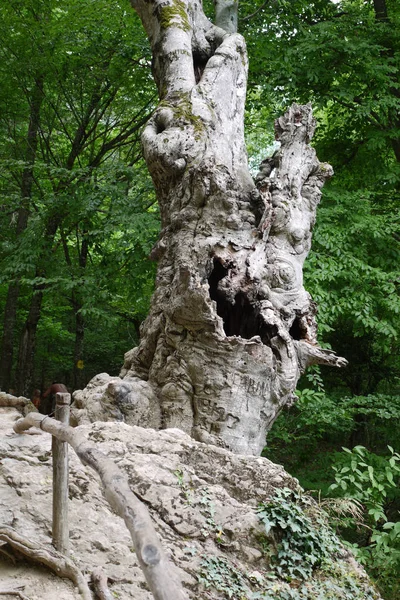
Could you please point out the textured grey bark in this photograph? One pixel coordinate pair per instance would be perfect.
(231, 327)
(226, 15)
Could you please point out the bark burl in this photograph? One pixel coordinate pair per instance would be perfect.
(231, 326)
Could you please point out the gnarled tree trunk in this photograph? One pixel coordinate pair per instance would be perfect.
(231, 327)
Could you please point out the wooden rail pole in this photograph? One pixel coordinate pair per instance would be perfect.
(60, 479)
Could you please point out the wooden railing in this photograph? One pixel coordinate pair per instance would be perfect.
(160, 574)
(60, 528)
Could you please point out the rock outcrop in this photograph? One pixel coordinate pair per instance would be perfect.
(203, 500)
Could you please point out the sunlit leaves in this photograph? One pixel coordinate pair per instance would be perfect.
(89, 186)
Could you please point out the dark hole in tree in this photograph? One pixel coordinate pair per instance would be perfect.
(297, 331)
(218, 273)
(160, 126)
(240, 318)
(199, 64)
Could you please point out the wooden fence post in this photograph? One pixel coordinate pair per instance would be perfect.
(60, 479)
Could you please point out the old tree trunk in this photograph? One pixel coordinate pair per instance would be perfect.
(231, 326)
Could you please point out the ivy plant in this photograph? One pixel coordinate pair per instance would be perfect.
(302, 543)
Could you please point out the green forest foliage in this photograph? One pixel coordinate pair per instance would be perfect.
(78, 218)
(344, 57)
(77, 208)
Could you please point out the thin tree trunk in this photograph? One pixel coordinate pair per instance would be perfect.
(80, 319)
(381, 15)
(26, 354)
(27, 346)
(77, 304)
(78, 377)
(380, 9)
(7, 345)
(10, 311)
(85, 127)
(231, 327)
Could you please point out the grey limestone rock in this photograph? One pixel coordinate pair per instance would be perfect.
(203, 500)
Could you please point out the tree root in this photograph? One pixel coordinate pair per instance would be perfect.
(14, 592)
(99, 580)
(60, 564)
(158, 571)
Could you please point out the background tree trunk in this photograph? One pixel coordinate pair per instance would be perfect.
(231, 326)
(10, 310)
(78, 379)
(27, 344)
(7, 345)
